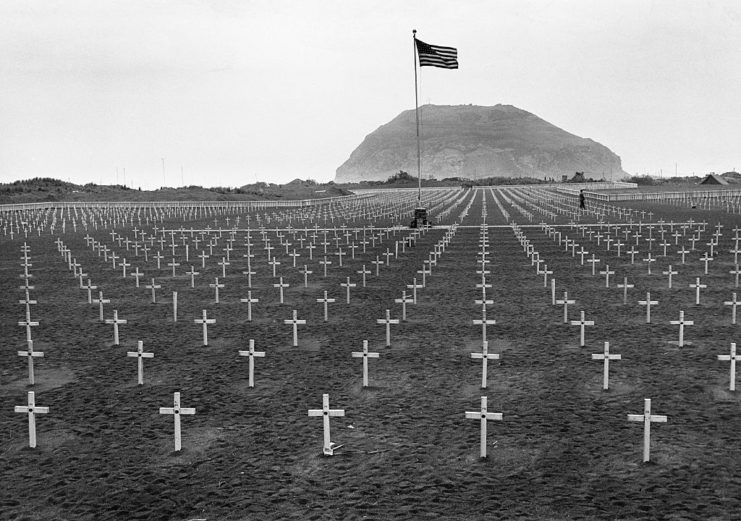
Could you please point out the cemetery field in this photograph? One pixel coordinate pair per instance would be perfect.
(497, 274)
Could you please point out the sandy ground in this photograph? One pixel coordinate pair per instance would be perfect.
(564, 449)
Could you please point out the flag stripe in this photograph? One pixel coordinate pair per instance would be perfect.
(436, 55)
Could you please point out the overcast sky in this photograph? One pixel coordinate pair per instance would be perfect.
(234, 91)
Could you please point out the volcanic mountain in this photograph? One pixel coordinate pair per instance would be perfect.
(475, 142)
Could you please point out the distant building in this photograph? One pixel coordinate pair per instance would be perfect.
(713, 179)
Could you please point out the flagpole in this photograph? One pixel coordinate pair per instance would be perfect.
(416, 113)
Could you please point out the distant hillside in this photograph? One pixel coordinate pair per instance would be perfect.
(475, 142)
(47, 189)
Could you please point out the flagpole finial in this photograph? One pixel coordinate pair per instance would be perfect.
(414, 33)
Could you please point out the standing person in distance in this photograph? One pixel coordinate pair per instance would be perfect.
(581, 200)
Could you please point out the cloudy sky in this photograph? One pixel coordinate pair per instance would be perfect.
(228, 92)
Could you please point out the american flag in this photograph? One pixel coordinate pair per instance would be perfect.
(436, 55)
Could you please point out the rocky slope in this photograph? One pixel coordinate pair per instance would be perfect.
(476, 142)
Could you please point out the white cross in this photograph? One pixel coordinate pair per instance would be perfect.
(306, 272)
(736, 272)
(414, 287)
(325, 412)
(581, 323)
(485, 356)
(173, 264)
(115, 321)
(176, 411)
(646, 418)
(28, 323)
(153, 287)
(483, 322)
(364, 272)
(252, 354)
(216, 287)
(648, 303)
(378, 262)
(732, 303)
(136, 274)
(347, 285)
(706, 259)
(31, 409)
(565, 301)
(625, 287)
(607, 274)
(670, 273)
(606, 356)
(140, 355)
(124, 265)
(89, 289)
(224, 263)
(697, 287)
(31, 354)
(681, 323)
(100, 300)
(593, 261)
(205, 321)
(326, 300)
(365, 355)
(249, 300)
(483, 415)
(192, 274)
(424, 273)
(733, 358)
(202, 256)
(325, 263)
(388, 321)
(404, 300)
(295, 322)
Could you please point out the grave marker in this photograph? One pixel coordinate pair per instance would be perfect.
(733, 303)
(216, 287)
(697, 287)
(483, 322)
(177, 411)
(565, 301)
(485, 356)
(205, 321)
(280, 286)
(100, 300)
(648, 303)
(347, 285)
(249, 300)
(295, 323)
(607, 274)
(252, 354)
(647, 418)
(606, 356)
(483, 415)
(625, 287)
(364, 272)
(31, 409)
(140, 355)
(670, 273)
(404, 300)
(387, 321)
(115, 321)
(31, 354)
(89, 289)
(681, 323)
(365, 355)
(325, 300)
(582, 323)
(153, 287)
(325, 412)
